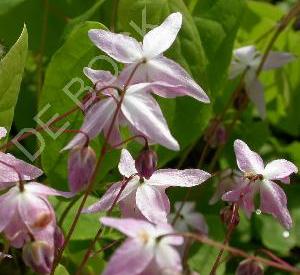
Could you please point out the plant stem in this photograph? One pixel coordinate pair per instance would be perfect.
(66, 211)
(100, 230)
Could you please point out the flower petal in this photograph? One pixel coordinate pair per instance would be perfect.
(279, 169)
(143, 112)
(127, 164)
(8, 207)
(277, 60)
(273, 201)
(159, 39)
(168, 258)
(99, 77)
(182, 178)
(120, 47)
(43, 190)
(96, 118)
(166, 70)
(130, 259)
(8, 174)
(248, 161)
(110, 195)
(255, 91)
(197, 221)
(153, 203)
(129, 227)
(3, 132)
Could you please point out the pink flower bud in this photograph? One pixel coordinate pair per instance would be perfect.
(59, 238)
(39, 256)
(81, 164)
(227, 218)
(216, 134)
(249, 267)
(146, 163)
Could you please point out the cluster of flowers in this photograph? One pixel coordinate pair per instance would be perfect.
(26, 217)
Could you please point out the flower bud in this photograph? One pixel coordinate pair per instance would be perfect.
(59, 238)
(146, 163)
(81, 165)
(216, 134)
(39, 256)
(227, 218)
(249, 267)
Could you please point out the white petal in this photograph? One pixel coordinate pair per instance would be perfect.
(143, 112)
(120, 47)
(182, 178)
(248, 161)
(279, 169)
(162, 37)
(153, 203)
(255, 91)
(127, 164)
(277, 60)
(168, 258)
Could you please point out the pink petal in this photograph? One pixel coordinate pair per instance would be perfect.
(279, 169)
(166, 70)
(273, 201)
(159, 39)
(127, 164)
(99, 77)
(129, 227)
(130, 259)
(255, 91)
(129, 209)
(182, 178)
(115, 137)
(168, 258)
(153, 203)
(143, 112)
(96, 118)
(8, 207)
(197, 221)
(277, 60)
(118, 46)
(43, 190)
(248, 161)
(8, 174)
(110, 195)
(3, 132)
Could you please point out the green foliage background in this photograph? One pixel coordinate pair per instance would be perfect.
(53, 48)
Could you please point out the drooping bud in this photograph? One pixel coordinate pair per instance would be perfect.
(146, 163)
(81, 165)
(249, 267)
(59, 238)
(216, 134)
(39, 256)
(227, 216)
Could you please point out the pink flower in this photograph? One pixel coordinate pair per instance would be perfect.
(146, 197)
(246, 60)
(188, 218)
(153, 65)
(145, 251)
(249, 267)
(26, 214)
(3, 132)
(139, 111)
(260, 178)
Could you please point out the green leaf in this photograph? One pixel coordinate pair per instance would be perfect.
(280, 240)
(187, 50)
(61, 270)
(217, 23)
(6, 5)
(11, 71)
(65, 68)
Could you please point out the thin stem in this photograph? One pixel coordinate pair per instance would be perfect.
(237, 252)
(231, 228)
(67, 210)
(93, 177)
(114, 15)
(105, 247)
(130, 139)
(273, 257)
(100, 230)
